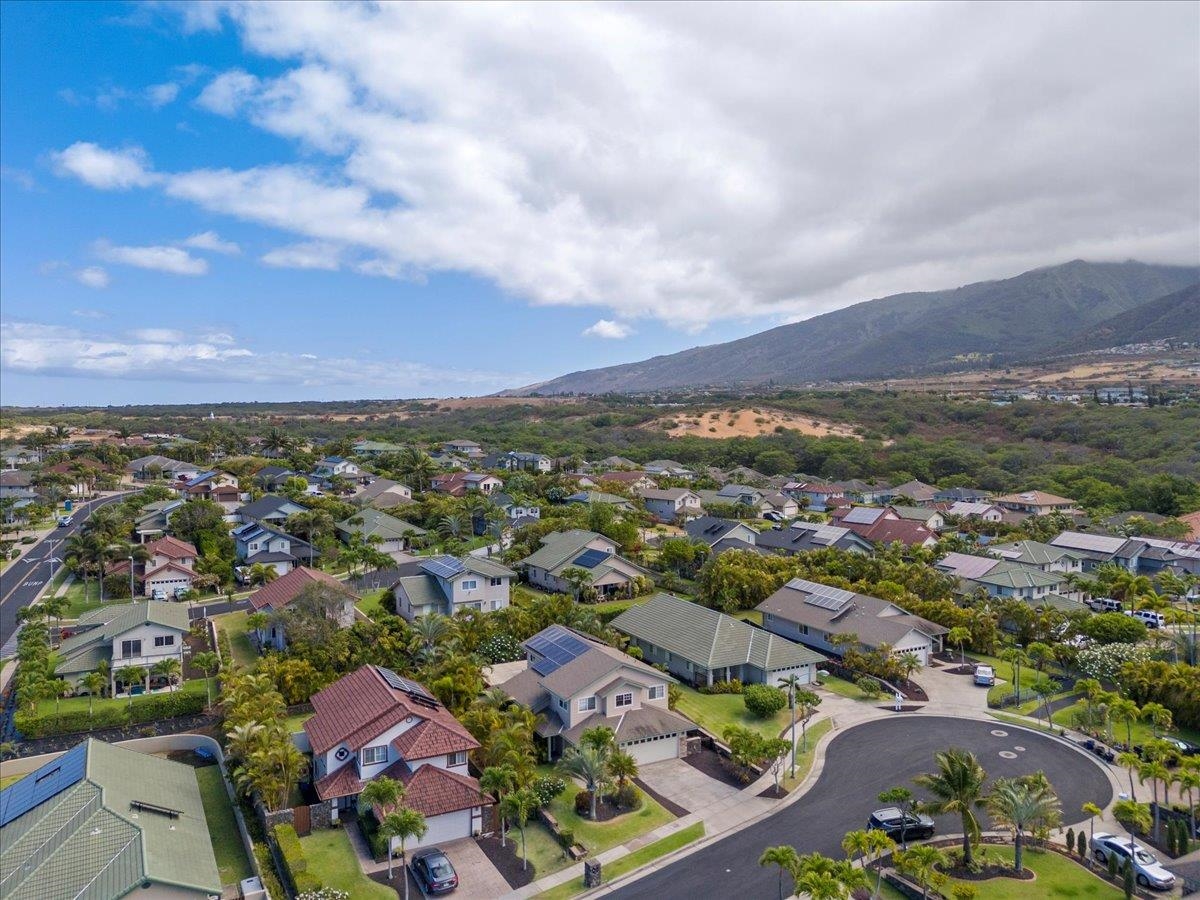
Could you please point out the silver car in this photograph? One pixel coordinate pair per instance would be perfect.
(1146, 867)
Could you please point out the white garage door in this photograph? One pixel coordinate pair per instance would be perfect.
(443, 829)
(804, 673)
(654, 751)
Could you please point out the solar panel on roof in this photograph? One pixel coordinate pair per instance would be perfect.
(821, 595)
(400, 683)
(37, 787)
(443, 566)
(557, 646)
(589, 559)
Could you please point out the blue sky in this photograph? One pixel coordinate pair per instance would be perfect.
(238, 201)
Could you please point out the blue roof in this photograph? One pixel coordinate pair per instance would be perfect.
(37, 787)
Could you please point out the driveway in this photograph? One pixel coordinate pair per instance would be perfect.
(478, 879)
(859, 764)
(684, 784)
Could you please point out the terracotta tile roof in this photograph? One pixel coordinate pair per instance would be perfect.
(172, 548)
(1193, 521)
(430, 738)
(358, 707)
(343, 782)
(432, 792)
(888, 531)
(283, 590)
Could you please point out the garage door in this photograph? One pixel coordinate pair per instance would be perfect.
(653, 751)
(443, 829)
(804, 673)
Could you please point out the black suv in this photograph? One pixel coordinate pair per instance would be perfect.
(889, 819)
(433, 871)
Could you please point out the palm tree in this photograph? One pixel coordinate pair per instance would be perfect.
(416, 468)
(1131, 761)
(431, 629)
(622, 766)
(401, 825)
(498, 781)
(922, 863)
(258, 622)
(1021, 806)
(902, 797)
(783, 856)
(384, 792)
(1158, 716)
(207, 662)
(880, 844)
(959, 637)
(453, 526)
(519, 806)
(578, 578)
(958, 788)
(312, 524)
(909, 664)
(1188, 780)
(261, 573)
(1092, 810)
(95, 683)
(1125, 710)
(132, 675)
(168, 669)
(1045, 688)
(589, 763)
(1156, 771)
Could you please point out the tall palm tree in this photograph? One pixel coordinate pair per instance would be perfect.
(167, 668)
(498, 781)
(1154, 770)
(207, 662)
(416, 468)
(132, 675)
(783, 856)
(519, 806)
(922, 863)
(1122, 709)
(384, 792)
(1021, 806)
(403, 824)
(95, 683)
(958, 786)
(1131, 761)
(1188, 780)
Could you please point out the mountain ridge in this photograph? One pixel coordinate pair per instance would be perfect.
(907, 334)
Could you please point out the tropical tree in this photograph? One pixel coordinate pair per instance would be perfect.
(261, 573)
(578, 578)
(1188, 780)
(207, 662)
(901, 797)
(1132, 762)
(922, 863)
(1154, 770)
(959, 637)
(1122, 709)
(416, 468)
(94, 683)
(783, 856)
(499, 781)
(909, 664)
(1159, 717)
(168, 669)
(1091, 810)
(957, 786)
(132, 675)
(588, 763)
(383, 791)
(402, 825)
(518, 806)
(1045, 688)
(1021, 805)
(622, 766)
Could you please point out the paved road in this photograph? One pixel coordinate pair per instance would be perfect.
(860, 764)
(23, 579)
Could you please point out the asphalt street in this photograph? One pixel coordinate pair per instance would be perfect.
(859, 765)
(23, 579)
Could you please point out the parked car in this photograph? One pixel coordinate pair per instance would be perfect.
(1106, 604)
(433, 871)
(1184, 748)
(1148, 617)
(773, 516)
(64, 521)
(889, 820)
(985, 676)
(1148, 871)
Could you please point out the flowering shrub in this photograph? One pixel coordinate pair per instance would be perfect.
(1104, 662)
(501, 648)
(324, 893)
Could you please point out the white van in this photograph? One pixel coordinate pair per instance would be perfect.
(1106, 604)
(1149, 618)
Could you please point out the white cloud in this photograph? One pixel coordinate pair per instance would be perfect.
(20, 177)
(211, 241)
(696, 163)
(92, 276)
(171, 260)
(89, 314)
(160, 95)
(105, 169)
(304, 256)
(607, 328)
(168, 355)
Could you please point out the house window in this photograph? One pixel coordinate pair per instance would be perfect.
(373, 755)
(586, 704)
(456, 759)
(470, 585)
(657, 692)
(625, 699)
(130, 648)
(563, 704)
(496, 582)
(164, 640)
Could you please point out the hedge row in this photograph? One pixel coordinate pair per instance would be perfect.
(294, 859)
(109, 714)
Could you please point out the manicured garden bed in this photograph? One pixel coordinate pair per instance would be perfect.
(631, 861)
(599, 836)
(1055, 876)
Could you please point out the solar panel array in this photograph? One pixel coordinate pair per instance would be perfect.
(556, 646)
(443, 566)
(863, 515)
(589, 559)
(821, 595)
(399, 683)
(1096, 543)
(37, 787)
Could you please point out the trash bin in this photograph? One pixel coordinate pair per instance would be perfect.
(591, 873)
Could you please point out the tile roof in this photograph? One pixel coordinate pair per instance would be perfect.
(1032, 553)
(284, 589)
(360, 706)
(433, 791)
(904, 531)
(429, 738)
(378, 524)
(634, 725)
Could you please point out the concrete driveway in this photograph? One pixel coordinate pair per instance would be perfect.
(687, 786)
(478, 879)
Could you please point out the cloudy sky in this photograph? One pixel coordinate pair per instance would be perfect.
(242, 201)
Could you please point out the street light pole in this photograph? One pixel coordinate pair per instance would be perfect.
(131, 594)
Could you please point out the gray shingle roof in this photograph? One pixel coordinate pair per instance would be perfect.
(709, 638)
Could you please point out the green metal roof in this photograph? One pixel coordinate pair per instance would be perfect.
(90, 840)
(82, 652)
(379, 524)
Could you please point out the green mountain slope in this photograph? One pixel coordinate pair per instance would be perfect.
(905, 334)
(1175, 316)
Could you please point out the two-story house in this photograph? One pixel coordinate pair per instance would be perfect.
(459, 484)
(721, 534)
(385, 532)
(383, 493)
(123, 635)
(276, 598)
(1037, 503)
(463, 447)
(802, 536)
(608, 573)
(672, 504)
(447, 584)
(271, 509)
(333, 466)
(156, 468)
(255, 543)
(373, 722)
(1095, 550)
(516, 461)
(1035, 554)
(813, 614)
(577, 682)
(817, 493)
(975, 509)
(17, 484)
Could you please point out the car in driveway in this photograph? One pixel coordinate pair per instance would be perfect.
(1180, 746)
(985, 676)
(433, 871)
(891, 821)
(1148, 871)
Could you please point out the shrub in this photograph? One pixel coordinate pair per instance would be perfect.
(566, 838)
(307, 883)
(501, 648)
(547, 788)
(674, 692)
(628, 797)
(763, 700)
(868, 686)
(292, 852)
(148, 708)
(733, 686)
(583, 803)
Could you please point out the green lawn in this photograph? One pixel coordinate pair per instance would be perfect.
(714, 712)
(80, 704)
(1004, 672)
(296, 722)
(804, 760)
(234, 625)
(844, 688)
(75, 598)
(628, 863)
(1057, 877)
(331, 858)
(599, 836)
(222, 827)
(372, 604)
(545, 853)
(1141, 731)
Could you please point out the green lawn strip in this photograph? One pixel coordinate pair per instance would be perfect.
(372, 604)
(80, 704)
(77, 605)
(1057, 878)
(296, 722)
(545, 853)
(599, 836)
(222, 827)
(715, 711)
(844, 688)
(804, 760)
(1142, 732)
(635, 860)
(234, 624)
(1004, 672)
(331, 859)
(1015, 720)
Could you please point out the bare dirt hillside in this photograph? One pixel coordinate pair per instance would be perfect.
(746, 422)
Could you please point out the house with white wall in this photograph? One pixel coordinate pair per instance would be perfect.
(447, 584)
(122, 635)
(276, 598)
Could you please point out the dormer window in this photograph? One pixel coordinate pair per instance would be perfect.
(625, 699)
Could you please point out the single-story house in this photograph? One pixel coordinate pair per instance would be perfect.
(392, 534)
(608, 572)
(1037, 555)
(105, 821)
(918, 493)
(975, 509)
(1037, 503)
(462, 447)
(813, 613)
(270, 509)
(446, 584)
(927, 516)
(801, 536)
(587, 498)
(383, 493)
(713, 531)
(17, 484)
(701, 645)
(459, 484)
(373, 449)
(517, 461)
(157, 468)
